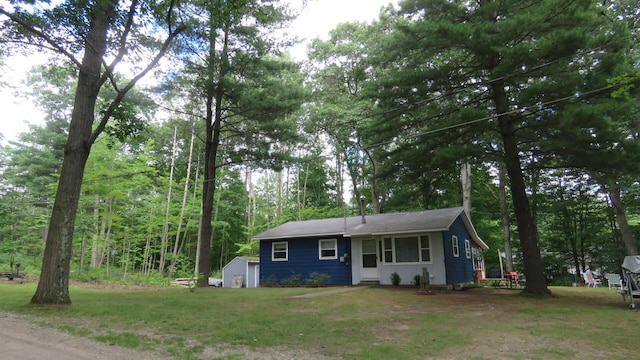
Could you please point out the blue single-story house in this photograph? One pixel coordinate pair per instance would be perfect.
(368, 249)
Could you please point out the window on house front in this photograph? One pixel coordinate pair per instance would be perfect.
(328, 249)
(280, 251)
(407, 249)
(467, 248)
(425, 248)
(454, 246)
(388, 250)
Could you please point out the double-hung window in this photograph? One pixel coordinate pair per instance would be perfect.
(328, 249)
(454, 246)
(467, 248)
(280, 251)
(407, 249)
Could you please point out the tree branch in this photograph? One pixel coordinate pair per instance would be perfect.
(122, 93)
(41, 35)
(108, 73)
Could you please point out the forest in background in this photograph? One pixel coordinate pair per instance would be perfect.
(403, 111)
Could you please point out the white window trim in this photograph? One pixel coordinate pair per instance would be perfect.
(455, 246)
(286, 251)
(335, 248)
(478, 258)
(467, 248)
(418, 249)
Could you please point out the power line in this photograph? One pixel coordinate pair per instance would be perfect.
(486, 118)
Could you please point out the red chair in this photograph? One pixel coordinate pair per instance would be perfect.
(513, 278)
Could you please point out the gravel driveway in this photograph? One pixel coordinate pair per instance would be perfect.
(23, 340)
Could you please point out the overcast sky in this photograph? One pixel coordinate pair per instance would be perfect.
(321, 16)
(316, 20)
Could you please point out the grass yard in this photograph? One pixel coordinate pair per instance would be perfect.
(369, 323)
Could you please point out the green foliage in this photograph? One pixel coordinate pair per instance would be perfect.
(624, 83)
(317, 279)
(395, 279)
(294, 280)
(270, 281)
(116, 276)
(251, 248)
(126, 122)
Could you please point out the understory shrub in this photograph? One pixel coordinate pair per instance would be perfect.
(317, 279)
(395, 279)
(291, 281)
(271, 281)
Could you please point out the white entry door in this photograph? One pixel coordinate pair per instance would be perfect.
(369, 260)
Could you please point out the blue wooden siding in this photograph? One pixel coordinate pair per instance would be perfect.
(303, 259)
(459, 269)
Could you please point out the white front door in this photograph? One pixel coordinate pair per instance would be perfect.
(369, 260)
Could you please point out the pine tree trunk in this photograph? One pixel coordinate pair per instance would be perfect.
(536, 282)
(375, 198)
(465, 176)
(214, 126)
(534, 271)
(53, 286)
(280, 189)
(625, 230)
(250, 201)
(504, 215)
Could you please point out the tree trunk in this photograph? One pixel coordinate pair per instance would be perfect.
(108, 235)
(147, 265)
(53, 286)
(625, 230)
(95, 247)
(465, 177)
(280, 194)
(172, 267)
(250, 202)
(504, 215)
(533, 269)
(83, 249)
(164, 240)
(214, 125)
(375, 198)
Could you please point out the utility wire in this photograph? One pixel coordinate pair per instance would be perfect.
(486, 118)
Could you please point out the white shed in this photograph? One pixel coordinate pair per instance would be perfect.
(245, 270)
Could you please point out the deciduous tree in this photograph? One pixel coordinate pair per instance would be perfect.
(95, 37)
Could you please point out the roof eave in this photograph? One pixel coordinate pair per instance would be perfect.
(472, 230)
(296, 236)
(403, 232)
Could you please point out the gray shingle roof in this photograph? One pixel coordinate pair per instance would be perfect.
(379, 224)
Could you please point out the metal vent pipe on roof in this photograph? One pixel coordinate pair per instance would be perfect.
(362, 198)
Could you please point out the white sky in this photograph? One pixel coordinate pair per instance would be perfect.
(321, 16)
(316, 20)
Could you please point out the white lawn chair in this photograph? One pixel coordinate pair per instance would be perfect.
(614, 281)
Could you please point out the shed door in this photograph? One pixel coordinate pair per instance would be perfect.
(369, 259)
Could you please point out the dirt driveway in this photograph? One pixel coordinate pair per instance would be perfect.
(23, 340)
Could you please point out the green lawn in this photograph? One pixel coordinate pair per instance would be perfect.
(371, 323)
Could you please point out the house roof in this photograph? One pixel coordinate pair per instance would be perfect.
(250, 259)
(376, 225)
